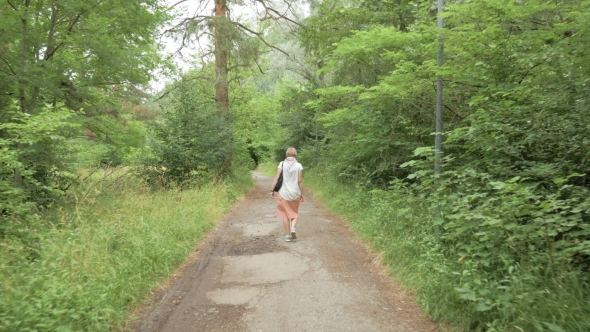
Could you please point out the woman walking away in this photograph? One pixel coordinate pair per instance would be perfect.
(290, 194)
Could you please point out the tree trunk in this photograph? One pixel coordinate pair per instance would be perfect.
(90, 135)
(221, 81)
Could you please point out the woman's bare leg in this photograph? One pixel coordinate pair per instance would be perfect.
(293, 222)
(286, 226)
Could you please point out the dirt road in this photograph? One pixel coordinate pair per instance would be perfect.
(245, 277)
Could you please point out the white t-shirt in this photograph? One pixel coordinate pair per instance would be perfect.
(290, 188)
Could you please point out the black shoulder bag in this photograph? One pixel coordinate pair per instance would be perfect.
(280, 180)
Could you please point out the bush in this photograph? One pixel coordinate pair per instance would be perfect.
(190, 141)
(107, 246)
(474, 267)
(30, 146)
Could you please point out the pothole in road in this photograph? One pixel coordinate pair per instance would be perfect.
(260, 229)
(255, 246)
(264, 269)
(234, 295)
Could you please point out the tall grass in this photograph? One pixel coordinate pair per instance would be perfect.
(268, 168)
(100, 255)
(399, 226)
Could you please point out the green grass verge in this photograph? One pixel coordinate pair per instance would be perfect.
(98, 258)
(268, 168)
(399, 226)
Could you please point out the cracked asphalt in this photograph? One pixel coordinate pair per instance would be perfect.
(245, 277)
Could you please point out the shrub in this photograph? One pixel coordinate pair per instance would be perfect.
(189, 141)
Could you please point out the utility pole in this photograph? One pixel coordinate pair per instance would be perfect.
(439, 95)
(316, 139)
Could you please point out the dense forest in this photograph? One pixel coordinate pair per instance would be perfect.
(91, 155)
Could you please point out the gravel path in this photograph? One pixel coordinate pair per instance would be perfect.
(245, 277)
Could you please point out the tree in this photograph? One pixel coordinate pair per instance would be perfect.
(188, 140)
(235, 44)
(83, 55)
(513, 232)
(76, 51)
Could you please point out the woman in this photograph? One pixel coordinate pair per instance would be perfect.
(290, 194)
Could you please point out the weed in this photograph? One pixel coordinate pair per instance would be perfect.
(106, 246)
(450, 287)
(268, 168)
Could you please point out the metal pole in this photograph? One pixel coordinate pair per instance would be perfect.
(439, 95)
(316, 139)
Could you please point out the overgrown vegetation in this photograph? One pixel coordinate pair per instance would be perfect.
(499, 242)
(104, 187)
(188, 141)
(503, 238)
(472, 296)
(98, 255)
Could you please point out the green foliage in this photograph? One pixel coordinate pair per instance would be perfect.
(79, 56)
(373, 106)
(106, 247)
(522, 250)
(76, 52)
(463, 276)
(190, 140)
(268, 168)
(24, 178)
(509, 247)
(297, 120)
(254, 117)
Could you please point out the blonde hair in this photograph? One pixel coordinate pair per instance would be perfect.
(291, 152)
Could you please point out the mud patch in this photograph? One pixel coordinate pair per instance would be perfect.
(219, 318)
(263, 269)
(260, 229)
(234, 296)
(255, 246)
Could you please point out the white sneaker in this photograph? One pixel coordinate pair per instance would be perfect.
(288, 238)
(293, 235)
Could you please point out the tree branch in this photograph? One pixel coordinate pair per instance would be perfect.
(259, 35)
(454, 112)
(11, 5)
(280, 16)
(175, 86)
(259, 68)
(8, 64)
(178, 3)
(528, 71)
(236, 66)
